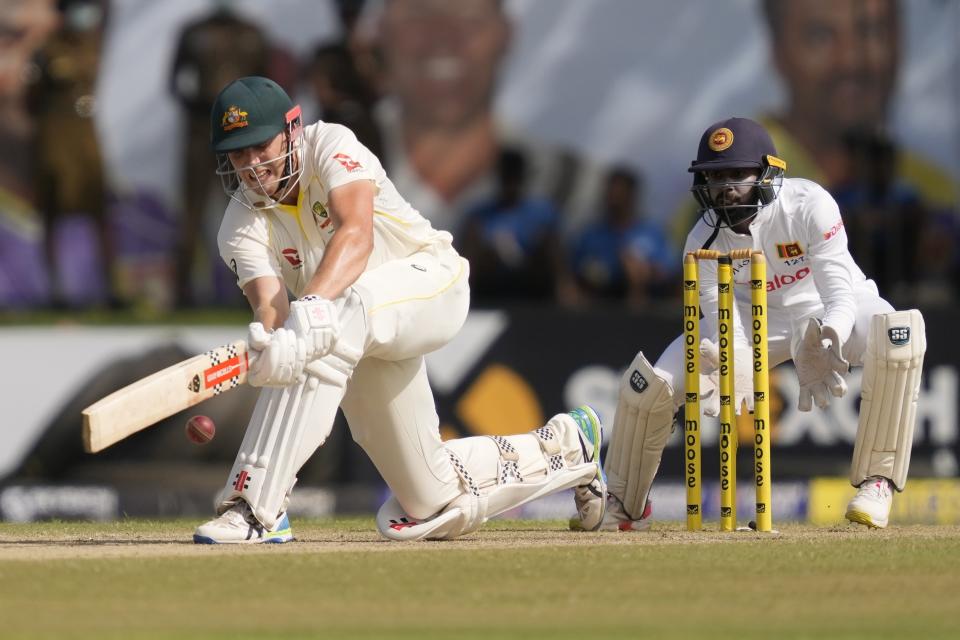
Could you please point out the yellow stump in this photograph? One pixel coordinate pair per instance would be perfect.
(728, 434)
(761, 391)
(691, 411)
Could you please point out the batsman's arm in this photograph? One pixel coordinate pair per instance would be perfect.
(267, 296)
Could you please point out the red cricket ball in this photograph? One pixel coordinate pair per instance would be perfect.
(200, 429)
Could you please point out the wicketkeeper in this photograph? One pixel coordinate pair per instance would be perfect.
(376, 287)
(823, 314)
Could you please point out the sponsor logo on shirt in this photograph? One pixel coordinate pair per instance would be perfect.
(348, 163)
(832, 231)
(789, 250)
(780, 281)
(320, 216)
(292, 256)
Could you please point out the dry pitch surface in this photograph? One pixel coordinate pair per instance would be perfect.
(140, 579)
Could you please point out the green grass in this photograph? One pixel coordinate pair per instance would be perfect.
(138, 579)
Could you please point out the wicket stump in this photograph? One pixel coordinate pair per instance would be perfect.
(761, 388)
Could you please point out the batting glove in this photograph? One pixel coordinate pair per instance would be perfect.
(314, 320)
(279, 360)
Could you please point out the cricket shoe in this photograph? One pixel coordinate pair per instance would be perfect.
(871, 505)
(617, 519)
(590, 498)
(237, 525)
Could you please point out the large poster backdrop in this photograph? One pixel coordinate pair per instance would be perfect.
(618, 80)
(845, 87)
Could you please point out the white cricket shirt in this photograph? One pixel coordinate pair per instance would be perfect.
(810, 271)
(288, 241)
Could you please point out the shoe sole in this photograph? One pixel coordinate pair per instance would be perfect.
(207, 540)
(277, 537)
(863, 518)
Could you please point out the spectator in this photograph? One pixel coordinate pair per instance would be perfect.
(436, 63)
(211, 52)
(884, 216)
(511, 239)
(24, 26)
(840, 63)
(68, 170)
(343, 94)
(622, 255)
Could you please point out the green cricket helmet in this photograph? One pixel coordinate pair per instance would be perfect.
(249, 112)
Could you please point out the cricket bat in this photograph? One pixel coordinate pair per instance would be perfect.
(158, 396)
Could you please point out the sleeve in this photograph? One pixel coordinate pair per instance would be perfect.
(343, 159)
(244, 242)
(831, 262)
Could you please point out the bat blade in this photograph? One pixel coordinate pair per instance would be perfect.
(162, 394)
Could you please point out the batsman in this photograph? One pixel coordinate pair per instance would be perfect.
(824, 314)
(314, 216)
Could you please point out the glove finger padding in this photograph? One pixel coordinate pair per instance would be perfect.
(257, 336)
(280, 363)
(710, 402)
(818, 359)
(710, 378)
(820, 395)
(710, 354)
(838, 388)
(838, 362)
(315, 320)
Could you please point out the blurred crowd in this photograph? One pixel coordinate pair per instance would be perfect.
(416, 81)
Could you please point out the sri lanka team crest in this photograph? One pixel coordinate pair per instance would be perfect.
(721, 139)
(789, 250)
(233, 118)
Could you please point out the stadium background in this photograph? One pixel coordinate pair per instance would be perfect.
(606, 83)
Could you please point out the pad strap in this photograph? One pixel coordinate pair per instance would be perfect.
(465, 478)
(509, 466)
(550, 444)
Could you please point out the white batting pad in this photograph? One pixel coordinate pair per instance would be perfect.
(286, 421)
(891, 384)
(290, 423)
(641, 428)
(546, 460)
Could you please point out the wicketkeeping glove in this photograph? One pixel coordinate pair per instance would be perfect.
(820, 366)
(710, 377)
(314, 320)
